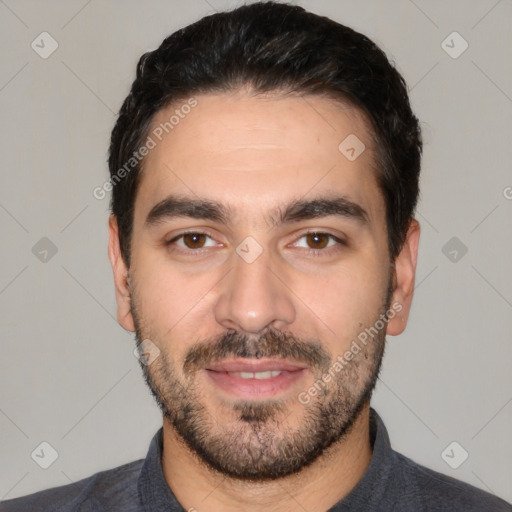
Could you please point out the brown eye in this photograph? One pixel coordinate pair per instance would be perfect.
(317, 240)
(194, 240)
(319, 243)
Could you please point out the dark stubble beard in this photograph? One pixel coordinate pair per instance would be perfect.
(258, 445)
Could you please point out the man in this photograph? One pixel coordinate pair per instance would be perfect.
(265, 172)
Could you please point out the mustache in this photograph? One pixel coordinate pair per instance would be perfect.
(271, 344)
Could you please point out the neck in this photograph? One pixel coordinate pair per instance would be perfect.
(316, 488)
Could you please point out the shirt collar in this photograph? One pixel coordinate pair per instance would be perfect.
(154, 492)
(376, 484)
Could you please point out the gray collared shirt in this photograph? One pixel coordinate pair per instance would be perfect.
(392, 483)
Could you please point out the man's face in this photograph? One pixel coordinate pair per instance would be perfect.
(284, 262)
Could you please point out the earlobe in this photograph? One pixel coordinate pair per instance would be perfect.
(404, 277)
(121, 278)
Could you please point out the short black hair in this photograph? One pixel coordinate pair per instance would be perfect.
(271, 46)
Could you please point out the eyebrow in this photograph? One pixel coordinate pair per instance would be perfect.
(176, 206)
(340, 206)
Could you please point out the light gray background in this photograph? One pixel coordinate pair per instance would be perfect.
(67, 372)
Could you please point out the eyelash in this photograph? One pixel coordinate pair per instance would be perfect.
(313, 252)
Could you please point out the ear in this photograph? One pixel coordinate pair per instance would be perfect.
(403, 274)
(124, 315)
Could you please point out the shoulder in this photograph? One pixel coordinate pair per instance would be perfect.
(439, 492)
(112, 490)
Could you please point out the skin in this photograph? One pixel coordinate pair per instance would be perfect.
(256, 154)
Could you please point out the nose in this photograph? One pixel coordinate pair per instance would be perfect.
(252, 297)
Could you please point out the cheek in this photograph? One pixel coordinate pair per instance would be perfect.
(345, 301)
(173, 305)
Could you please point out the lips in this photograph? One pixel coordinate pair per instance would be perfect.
(255, 366)
(262, 378)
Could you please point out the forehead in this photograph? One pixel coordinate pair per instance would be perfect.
(256, 152)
